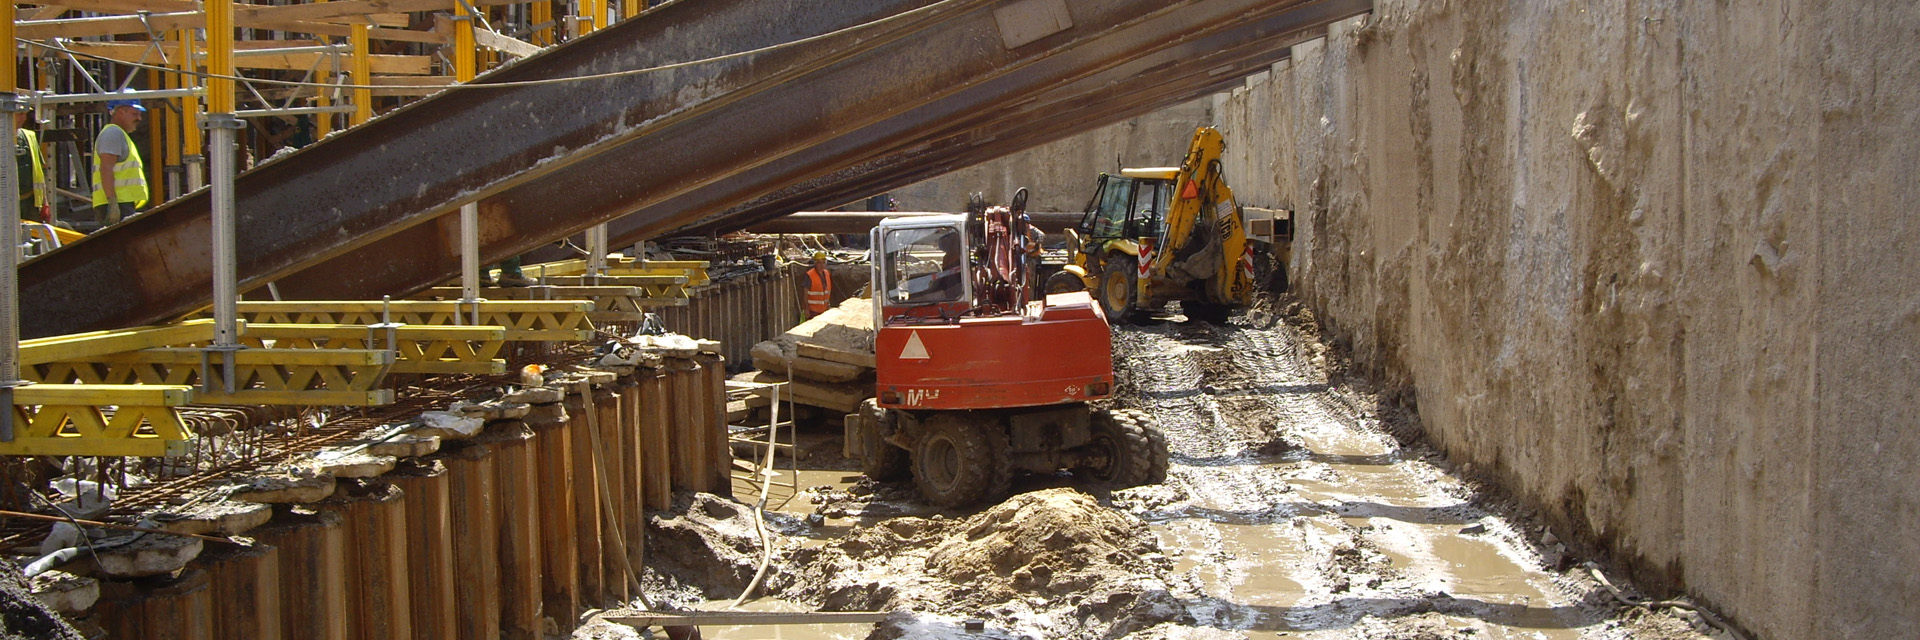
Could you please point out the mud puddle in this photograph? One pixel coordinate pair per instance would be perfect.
(1293, 514)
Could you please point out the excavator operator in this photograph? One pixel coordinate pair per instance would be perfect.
(946, 283)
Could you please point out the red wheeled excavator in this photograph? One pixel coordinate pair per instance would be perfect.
(978, 378)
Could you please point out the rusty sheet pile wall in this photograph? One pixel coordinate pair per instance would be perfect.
(738, 312)
(529, 511)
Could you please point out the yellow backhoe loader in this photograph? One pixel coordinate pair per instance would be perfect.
(1151, 236)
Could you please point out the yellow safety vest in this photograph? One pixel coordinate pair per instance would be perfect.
(39, 176)
(129, 177)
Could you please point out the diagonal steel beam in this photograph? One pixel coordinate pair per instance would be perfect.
(1201, 28)
(1140, 87)
(360, 214)
(410, 165)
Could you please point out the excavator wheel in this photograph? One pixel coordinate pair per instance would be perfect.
(1118, 277)
(957, 463)
(1133, 450)
(879, 459)
(1156, 443)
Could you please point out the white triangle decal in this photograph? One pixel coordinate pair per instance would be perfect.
(914, 350)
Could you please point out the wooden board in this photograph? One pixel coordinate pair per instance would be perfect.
(843, 398)
(830, 354)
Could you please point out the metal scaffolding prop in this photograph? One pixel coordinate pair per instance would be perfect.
(370, 211)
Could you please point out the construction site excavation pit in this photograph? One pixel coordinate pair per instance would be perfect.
(1292, 510)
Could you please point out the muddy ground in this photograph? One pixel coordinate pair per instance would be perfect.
(1292, 510)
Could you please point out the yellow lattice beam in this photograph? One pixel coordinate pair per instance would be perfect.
(421, 348)
(523, 320)
(343, 377)
(69, 420)
(80, 346)
(617, 265)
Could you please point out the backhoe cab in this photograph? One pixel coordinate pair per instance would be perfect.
(977, 378)
(1151, 236)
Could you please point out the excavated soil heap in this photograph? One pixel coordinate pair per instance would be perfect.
(1050, 542)
(1055, 560)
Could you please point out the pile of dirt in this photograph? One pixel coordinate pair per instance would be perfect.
(23, 616)
(1054, 562)
(1047, 542)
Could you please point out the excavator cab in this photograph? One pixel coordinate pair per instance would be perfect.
(1128, 206)
(921, 269)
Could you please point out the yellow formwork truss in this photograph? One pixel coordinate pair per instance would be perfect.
(336, 377)
(610, 303)
(419, 348)
(70, 420)
(523, 320)
(618, 265)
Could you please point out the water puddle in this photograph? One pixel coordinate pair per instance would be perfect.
(781, 631)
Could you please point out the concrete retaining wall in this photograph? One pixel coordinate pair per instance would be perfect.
(1647, 263)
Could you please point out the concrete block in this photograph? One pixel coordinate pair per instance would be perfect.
(295, 487)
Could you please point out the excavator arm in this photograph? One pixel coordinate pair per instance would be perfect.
(1204, 239)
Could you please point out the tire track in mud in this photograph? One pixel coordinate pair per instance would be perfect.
(1288, 511)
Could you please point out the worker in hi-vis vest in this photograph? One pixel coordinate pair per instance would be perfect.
(119, 178)
(31, 173)
(819, 285)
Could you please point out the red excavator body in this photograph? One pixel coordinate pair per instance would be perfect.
(977, 378)
(1060, 354)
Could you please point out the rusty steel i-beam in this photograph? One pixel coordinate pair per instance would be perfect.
(851, 96)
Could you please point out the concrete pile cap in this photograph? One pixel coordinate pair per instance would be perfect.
(571, 380)
(350, 462)
(150, 555)
(490, 410)
(293, 486)
(216, 517)
(651, 351)
(447, 425)
(534, 396)
(64, 592)
(406, 446)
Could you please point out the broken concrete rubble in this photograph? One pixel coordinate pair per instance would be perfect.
(225, 517)
(291, 486)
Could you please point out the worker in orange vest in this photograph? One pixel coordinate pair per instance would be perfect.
(819, 285)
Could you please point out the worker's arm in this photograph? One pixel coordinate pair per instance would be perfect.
(107, 163)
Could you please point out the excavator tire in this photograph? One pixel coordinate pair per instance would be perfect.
(1118, 286)
(1135, 453)
(1156, 443)
(959, 463)
(879, 459)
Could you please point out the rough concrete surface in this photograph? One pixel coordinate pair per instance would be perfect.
(1642, 263)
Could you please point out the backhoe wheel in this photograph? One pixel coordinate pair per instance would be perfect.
(1128, 448)
(1118, 286)
(1064, 282)
(879, 459)
(1206, 311)
(958, 463)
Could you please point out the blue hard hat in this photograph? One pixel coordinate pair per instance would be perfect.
(128, 102)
